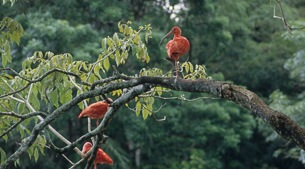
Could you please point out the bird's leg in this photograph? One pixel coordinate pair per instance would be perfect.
(97, 122)
(176, 65)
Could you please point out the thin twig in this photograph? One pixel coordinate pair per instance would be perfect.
(53, 147)
(283, 18)
(24, 116)
(11, 127)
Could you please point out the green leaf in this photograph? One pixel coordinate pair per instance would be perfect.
(81, 105)
(30, 152)
(65, 96)
(4, 60)
(125, 54)
(53, 96)
(2, 156)
(36, 154)
(191, 67)
(138, 108)
(96, 70)
(120, 27)
(136, 39)
(117, 58)
(127, 31)
(111, 56)
(109, 42)
(35, 102)
(106, 63)
(147, 58)
(117, 92)
(116, 39)
(145, 113)
(21, 131)
(92, 78)
(17, 162)
(104, 44)
(159, 90)
(5, 137)
(187, 67)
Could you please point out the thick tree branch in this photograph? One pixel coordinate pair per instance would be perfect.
(281, 123)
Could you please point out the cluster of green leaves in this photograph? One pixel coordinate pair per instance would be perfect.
(144, 105)
(10, 31)
(198, 72)
(123, 43)
(36, 148)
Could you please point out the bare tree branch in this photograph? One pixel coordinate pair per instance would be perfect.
(23, 116)
(283, 18)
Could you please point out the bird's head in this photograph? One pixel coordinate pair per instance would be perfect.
(176, 31)
(86, 147)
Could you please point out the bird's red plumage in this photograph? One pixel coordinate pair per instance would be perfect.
(100, 158)
(96, 110)
(176, 47)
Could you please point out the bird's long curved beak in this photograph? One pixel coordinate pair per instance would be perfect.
(169, 33)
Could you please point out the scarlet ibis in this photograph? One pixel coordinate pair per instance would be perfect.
(176, 47)
(96, 110)
(101, 157)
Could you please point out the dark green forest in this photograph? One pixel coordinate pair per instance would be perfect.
(238, 41)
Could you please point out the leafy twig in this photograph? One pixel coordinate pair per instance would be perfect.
(40, 79)
(22, 118)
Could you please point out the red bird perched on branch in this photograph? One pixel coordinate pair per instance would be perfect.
(176, 47)
(101, 157)
(96, 110)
